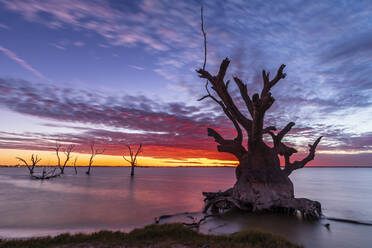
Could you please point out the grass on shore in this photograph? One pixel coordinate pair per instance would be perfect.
(165, 235)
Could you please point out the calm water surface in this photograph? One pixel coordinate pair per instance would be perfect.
(110, 199)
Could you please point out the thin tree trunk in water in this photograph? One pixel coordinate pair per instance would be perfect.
(133, 158)
(75, 165)
(94, 152)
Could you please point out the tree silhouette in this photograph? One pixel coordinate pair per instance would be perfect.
(133, 158)
(261, 183)
(46, 174)
(94, 152)
(67, 153)
(31, 167)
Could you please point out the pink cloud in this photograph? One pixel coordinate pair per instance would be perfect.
(23, 63)
(79, 43)
(140, 68)
(3, 26)
(58, 46)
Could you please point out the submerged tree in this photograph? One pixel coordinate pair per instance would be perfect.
(57, 148)
(94, 152)
(133, 158)
(34, 161)
(46, 174)
(76, 158)
(67, 153)
(261, 183)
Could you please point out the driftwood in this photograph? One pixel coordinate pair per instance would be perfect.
(261, 185)
(45, 175)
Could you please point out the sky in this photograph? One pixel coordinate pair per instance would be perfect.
(120, 73)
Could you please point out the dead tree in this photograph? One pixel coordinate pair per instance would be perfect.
(94, 152)
(34, 161)
(57, 148)
(261, 184)
(133, 158)
(46, 174)
(75, 165)
(67, 153)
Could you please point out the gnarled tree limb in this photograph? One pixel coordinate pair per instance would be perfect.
(219, 86)
(230, 146)
(34, 161)
(281, 148)
(289, 167)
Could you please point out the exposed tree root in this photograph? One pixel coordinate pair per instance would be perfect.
(217, 201)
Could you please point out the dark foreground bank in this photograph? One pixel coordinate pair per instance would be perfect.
(165, 235)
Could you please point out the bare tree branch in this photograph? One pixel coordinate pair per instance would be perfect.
(281, 148)
(67, 153)
(244, 93)
(94, 152)
(204, 37)
(230, 146)
(57, 148)
(289, 167)
(133, 158)
(221, 89)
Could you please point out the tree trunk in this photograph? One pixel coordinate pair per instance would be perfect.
(260, 186)
(132, 170)
(260, 181)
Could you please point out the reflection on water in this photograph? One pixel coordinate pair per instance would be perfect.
(110, 199)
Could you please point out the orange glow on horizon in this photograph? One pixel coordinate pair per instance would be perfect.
(160, 157)
(8, 158)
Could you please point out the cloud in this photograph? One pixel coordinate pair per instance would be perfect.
(111, 120)
(79, 43)
(359, 45)
(58, 46)
(328, 84)
(4, 26)
(136, 67)
(21, 62)
(168, 130)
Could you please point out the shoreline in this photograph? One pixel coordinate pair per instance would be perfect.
(183, 166)
(155, 235)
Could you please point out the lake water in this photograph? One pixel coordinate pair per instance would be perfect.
(110, 199)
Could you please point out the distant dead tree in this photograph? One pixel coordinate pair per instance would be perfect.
(94, 153)
(34, 160)
(76, 158)
(44, 175)
(57, 148)
(133, 158)
(68, 151)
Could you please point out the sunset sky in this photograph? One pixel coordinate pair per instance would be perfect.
(123, 72)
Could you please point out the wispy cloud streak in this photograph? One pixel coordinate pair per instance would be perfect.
(22, 62)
